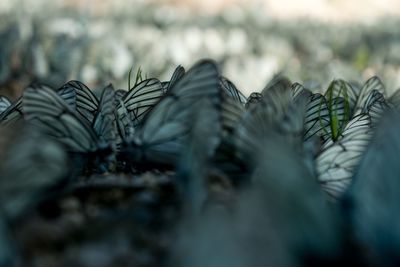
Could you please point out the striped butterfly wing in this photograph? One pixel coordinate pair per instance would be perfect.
(372, 200)
(68, 94)
(179, 72)
(317, 119)
(131, 110)
(86, 102)
(298, 89)
(15, 112)
(163, 135)
(372, 84)
(194, 164)
(4, 103)
(225, 158)
(337, 162)
(231, 113)
(277, 84)
(231, 90)
(253, 100)
(104, 121)
(12, 114)
(276, 114)
(375, 105)
(46, 109)
(277, 96)
(119, 95)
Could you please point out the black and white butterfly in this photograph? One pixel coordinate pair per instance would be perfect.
(176, 76)
(46, 109)
(231, 90)
(253, 99)
(375, 105)
(356, 96)
(276, 113)
(372, 201)
(133, 106)
(14, 112)
(86, 102)
(225, 158)
(338, 160)
(163, 135)
(195, 162)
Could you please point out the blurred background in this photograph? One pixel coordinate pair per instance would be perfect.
(99, 41)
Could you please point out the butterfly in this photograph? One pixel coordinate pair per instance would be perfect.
(31, 165)
(164, 132)
(133, 106)
(86, 103)
(356, 96)
(195, 162)
(14, 112)
(338, 159)
(230, 89)
(285, 189)
(176, 76)
(371, 202)
(44, 108)
(375, 105)
(319, 113)
(253, 99)
(276, 113)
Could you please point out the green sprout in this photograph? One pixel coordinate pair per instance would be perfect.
(129, 78)
(336, 121)
(139, 77)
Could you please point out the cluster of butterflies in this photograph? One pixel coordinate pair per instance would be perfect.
(196, 123)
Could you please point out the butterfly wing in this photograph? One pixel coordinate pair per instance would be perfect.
(253, 99)
(372, 200)
(276, 113)
(12, 114)
(164, 132)
(86, 102)
(176, 76)
(231, 90)
(372, 84)
(30, 164)
(4, 103)
(131, 110)
(375, 105)
(104, 121)
(45, 108)
(337, 162)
